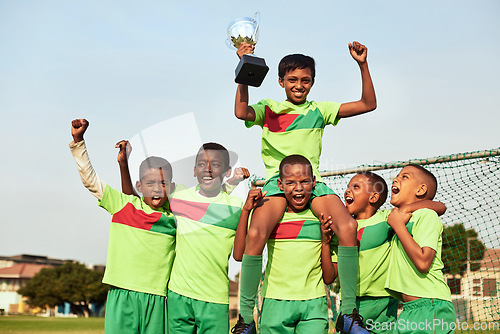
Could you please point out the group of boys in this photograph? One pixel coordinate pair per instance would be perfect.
(176, 242)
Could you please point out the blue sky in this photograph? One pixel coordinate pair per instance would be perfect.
(129, 65)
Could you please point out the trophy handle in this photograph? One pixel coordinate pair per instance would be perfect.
(256, 18)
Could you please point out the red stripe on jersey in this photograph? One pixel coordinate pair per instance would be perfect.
(287, 230)
(278, 122)
(134, 217)
(359, 235)
(192, 210)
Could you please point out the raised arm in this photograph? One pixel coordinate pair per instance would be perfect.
(125, 149)
(241, 108)
(421, 257)
(368, 101)
(89, 177)
(254, 197)
(328, 268)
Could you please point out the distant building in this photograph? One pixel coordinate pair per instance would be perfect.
(476, 294)
(15, 271)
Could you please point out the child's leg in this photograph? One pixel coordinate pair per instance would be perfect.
(264, 219)
(180, 314)
(345, 228)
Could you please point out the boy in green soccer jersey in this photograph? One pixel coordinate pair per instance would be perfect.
(365, 194)
(295, 126)
(415, 269)
(293, 290)
(141, 242)
(207, 221)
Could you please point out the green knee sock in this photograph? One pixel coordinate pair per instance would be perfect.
(251, 271)
(348, 276)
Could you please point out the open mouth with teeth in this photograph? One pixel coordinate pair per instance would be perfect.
(395, 190)
(299, 198)
(349, 200)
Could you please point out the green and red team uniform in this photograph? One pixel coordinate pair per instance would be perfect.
(140, 254)
(198, 297)
(373, 301)
(293, 289)
(292, 129)
(433, 312)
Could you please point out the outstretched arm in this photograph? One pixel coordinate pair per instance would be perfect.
(421, 257)
(368, 101)
(328, 268)
(435, 206)
(89, 177)
(253, 199)
(241, 108)
(125, 149)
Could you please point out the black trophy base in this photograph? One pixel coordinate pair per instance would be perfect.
(251, 71)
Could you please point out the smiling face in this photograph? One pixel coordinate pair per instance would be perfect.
(359, 197)
(155, 187)
(297, 182)
(297, 84)
(210, 170)
(407, 187)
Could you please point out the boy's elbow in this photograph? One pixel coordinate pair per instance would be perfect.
(423, 267)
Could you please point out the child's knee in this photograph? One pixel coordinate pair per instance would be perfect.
(346, 226)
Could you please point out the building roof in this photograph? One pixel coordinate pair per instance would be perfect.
(22, 270)
(27, 258)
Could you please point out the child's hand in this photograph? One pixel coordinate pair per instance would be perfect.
(245, 48)
(124, 153)
(253, 199)
(326, 230)
(358, 52)
(239, 175)
(78, 128)
(397, 218)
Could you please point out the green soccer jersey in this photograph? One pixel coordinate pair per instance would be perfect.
(206, 227)
(293, 270)
(374, 236)
(403, 277)
(292, 129)
(141, 244)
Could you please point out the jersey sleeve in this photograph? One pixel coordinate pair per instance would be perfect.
(330, 111)
(88, 175)
(428, 230)
(260, 112)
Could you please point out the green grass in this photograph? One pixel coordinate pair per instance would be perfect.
(31, 324)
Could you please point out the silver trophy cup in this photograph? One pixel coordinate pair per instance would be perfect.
(251, 69)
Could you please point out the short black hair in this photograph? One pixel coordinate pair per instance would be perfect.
(294, 159)
(429, 179)
(216, 147)
(294, 61)
(155, 163)
(379, 186)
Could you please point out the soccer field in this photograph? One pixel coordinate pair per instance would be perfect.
(31, 324)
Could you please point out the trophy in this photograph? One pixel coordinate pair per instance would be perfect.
(251, 69)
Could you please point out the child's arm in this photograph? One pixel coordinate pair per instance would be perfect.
(253, 199)
(328, 268)
(435, 206)
(368, 101)
(89, 177)
(239, 175)
(125, 149)
(421, 257)
(241, 108)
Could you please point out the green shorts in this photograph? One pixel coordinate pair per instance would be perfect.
(271, 186)
(134, 312)
(427, 315)
(187, 315)
(294, 316)
(377, 312)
